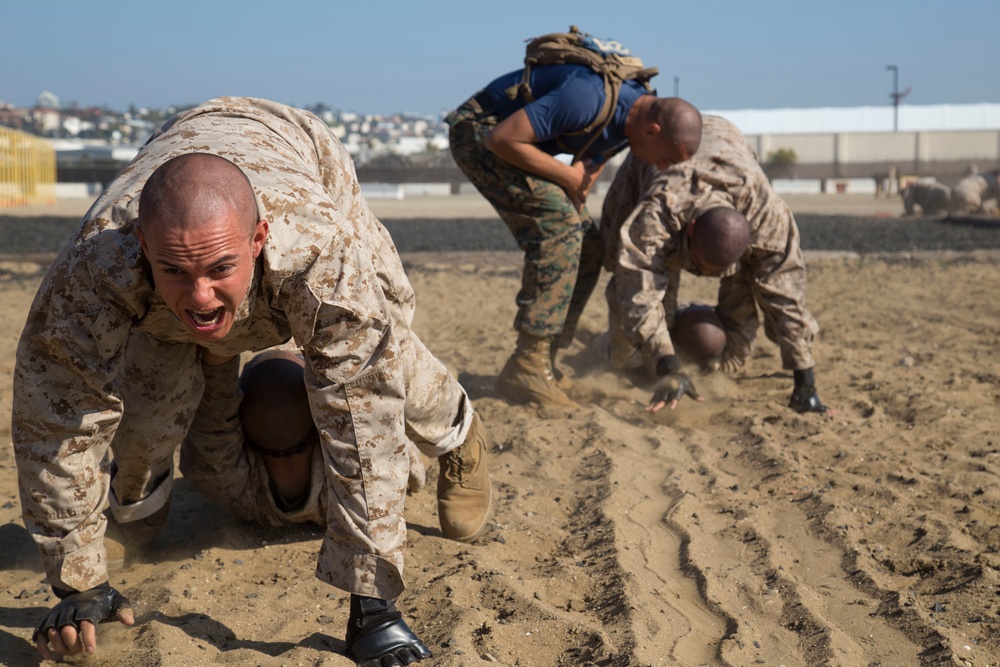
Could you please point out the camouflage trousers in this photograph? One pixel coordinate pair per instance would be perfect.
(162, 385)
(971, 195)
(562, 246)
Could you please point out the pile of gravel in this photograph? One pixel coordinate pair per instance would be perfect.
(819, 232)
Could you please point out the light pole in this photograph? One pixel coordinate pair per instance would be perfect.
(895, 96)
(677, 86)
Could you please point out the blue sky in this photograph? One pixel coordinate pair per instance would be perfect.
(429, 55)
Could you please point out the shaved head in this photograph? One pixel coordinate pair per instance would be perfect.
(720, 236)
(681, 120)
(663, 131)
(197, 189)
(200, 239)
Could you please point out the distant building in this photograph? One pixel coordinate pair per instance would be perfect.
(88, 161)
(825, 120)
(47, 121)
(855, 149)
(842, 149)
(47, 100)
(413, 145)
(13, 117)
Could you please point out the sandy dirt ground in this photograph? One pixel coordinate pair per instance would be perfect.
(731, 532)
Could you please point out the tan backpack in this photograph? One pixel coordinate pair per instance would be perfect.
(607, 57)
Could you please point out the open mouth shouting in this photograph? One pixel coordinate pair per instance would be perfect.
(203, 269)
(206, 321)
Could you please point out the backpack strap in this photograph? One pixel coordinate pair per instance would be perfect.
(523, 89)
(601, 121)
(611, 91)
(567, 48)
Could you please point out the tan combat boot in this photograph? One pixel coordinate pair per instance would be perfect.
(464, 493)
(123, 540)
(562, 380)
(527, 376)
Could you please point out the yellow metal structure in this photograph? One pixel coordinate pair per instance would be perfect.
(27, 170)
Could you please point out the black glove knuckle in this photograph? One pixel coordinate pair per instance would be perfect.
(96, 605)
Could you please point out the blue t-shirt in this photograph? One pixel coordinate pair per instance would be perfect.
(567, 99)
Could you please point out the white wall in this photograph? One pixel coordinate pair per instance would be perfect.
(912, 118)
(973, 147)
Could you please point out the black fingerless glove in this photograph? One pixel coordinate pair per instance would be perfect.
(99, 604)
(672, 384)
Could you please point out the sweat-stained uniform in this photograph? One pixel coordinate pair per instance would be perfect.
(560, 244)
(102, 360)
(644, 214)
(971, 194)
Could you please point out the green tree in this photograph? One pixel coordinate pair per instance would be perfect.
(781, 163)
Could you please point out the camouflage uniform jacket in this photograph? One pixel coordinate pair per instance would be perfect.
(329, 276)
(644, 213)
(931, 197)
(972, 192)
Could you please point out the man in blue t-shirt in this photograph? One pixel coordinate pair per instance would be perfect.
(507, 146)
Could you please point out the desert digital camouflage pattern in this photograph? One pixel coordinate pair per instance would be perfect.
(219, 462)
(643, 214)
(930, 197)
(976, 193)
(102, 361)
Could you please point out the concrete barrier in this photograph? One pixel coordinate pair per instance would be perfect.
(426, 189)
(77, 190)
(853, 186)
(798, 186)
(382, 190)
